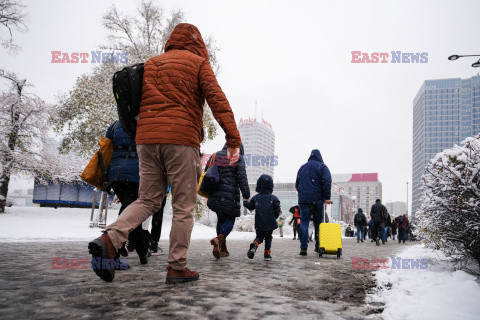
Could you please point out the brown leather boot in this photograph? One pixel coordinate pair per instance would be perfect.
(216, 243)
(178, 276)
(103, 257)
(223, 249)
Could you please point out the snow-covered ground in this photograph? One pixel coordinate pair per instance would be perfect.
(437, 292)
(71, 224)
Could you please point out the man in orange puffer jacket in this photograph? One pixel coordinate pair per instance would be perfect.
(175, 86)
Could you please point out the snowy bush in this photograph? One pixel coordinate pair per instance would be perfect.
(200, 208)
(209, 218)
(450, 215)
(245, 223)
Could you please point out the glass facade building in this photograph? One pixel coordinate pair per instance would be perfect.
(445, 112)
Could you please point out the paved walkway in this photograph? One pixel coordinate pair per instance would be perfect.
(288, 287)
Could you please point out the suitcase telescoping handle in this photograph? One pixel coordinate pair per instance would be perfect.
(325, 212)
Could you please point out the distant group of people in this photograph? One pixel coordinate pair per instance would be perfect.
(381, 225)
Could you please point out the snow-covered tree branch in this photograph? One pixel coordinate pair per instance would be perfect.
(12, 18)
(86, 111)
(23, 124)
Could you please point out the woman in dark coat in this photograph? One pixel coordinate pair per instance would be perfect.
(124, 177)
(225, 200)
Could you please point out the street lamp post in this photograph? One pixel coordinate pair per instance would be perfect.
(407, 198)
(456, 57)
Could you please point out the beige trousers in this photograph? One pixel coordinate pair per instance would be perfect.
(159, 163)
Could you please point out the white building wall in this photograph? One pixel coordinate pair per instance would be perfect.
(365, 192)
(258, 140)
(396, 208)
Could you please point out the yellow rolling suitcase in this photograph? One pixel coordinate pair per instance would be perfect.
(330, 238)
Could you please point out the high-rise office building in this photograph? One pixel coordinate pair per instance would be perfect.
(258, 141)
(445, 112)
(365, 187)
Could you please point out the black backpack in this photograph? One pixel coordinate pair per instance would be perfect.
(127, 89)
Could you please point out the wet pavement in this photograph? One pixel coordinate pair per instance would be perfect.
(288, 287)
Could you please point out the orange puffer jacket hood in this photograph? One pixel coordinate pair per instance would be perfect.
(187, 36)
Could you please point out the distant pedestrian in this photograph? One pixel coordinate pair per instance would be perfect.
(349, 232)
(370, 230)
(386, 226)
(379, 217)
(267, 210)
(360, 221)
(313, 184)
(281, 223)
(402, 223)
(394, 229)
(296, 221)
(409, 232)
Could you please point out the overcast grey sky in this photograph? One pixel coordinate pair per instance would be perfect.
(294, 58)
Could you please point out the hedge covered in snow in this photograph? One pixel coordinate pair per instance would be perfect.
(449, 218)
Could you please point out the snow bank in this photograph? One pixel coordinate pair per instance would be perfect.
(71, 224)
(438, 292)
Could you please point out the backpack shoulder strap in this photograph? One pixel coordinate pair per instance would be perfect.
(211, 162)
(110, 136)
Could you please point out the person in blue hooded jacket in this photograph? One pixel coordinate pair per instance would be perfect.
(267, 210)
(124, 178)
(123, 174)
(313, 184)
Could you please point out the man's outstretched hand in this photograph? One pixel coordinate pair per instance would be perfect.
(328, 201)
(233, 154)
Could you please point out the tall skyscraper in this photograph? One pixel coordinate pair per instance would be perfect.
(258, 141)
(445, 112)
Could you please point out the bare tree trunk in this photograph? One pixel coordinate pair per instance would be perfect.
(4, 182)
(7, 161)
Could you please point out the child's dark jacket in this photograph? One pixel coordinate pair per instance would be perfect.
(266, 205)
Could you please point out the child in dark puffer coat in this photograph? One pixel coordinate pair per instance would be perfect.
(267, 210)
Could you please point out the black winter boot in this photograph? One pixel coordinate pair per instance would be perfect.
(252, 250)
(267, 256)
